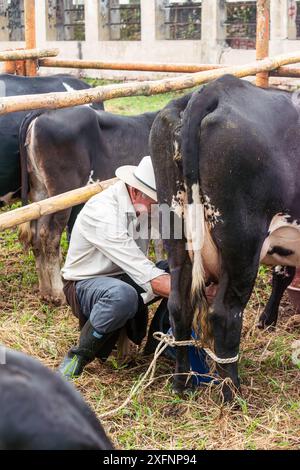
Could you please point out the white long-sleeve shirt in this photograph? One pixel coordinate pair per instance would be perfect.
(104, 241)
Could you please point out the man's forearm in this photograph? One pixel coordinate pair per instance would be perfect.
(161, 285)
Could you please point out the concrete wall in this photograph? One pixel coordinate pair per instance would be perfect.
(211, 49)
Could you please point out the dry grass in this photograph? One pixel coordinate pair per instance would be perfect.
(266, 417)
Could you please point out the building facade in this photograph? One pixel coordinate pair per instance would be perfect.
(183, 31)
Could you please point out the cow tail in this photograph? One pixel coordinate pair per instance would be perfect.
(200, 105)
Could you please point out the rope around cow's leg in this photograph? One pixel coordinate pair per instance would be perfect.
(165, 341)
(170, 341)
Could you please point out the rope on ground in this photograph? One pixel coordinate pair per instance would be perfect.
(165, 340)
(150, 371)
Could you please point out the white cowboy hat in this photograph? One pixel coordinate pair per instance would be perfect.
(140, 177)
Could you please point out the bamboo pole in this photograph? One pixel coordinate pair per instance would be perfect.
(262, 39)
(23, 54)
(290, 72)
(53, 204)
(102, 93)
(30, 35)
(131, 66)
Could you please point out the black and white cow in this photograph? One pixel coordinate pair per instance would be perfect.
(62, 150)
(41, 411)
(227, 159)
(11, 85)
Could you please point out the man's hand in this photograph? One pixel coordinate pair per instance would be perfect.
(161, 285)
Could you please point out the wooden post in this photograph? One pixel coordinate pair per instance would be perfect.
(262, 39)
(30, 35)
(9, 66)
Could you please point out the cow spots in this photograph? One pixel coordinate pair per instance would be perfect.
(91, 179)
(178, 201)
(212, 214)
(177, 157)
(281, 271)
(2, 88)
(68, 87)
(281, 251)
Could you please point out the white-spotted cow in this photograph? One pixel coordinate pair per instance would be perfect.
(227, 158)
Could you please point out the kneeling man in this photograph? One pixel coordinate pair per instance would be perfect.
(107, 276)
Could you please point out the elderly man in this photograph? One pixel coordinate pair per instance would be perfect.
(107, 276)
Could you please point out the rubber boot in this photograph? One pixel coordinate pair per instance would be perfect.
(90, 345)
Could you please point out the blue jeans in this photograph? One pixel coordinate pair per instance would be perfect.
(107, 302)
(112, 302)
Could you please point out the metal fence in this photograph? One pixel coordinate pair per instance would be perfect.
(298, 19)
(182, 20)
(66, 21)
(124, 20)
(12, 20)
(241, 25)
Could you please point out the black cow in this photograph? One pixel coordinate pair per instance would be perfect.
(63, 150)
(41, 411)
(227, 159)
(11, 85)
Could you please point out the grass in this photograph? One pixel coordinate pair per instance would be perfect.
(137, 104)
(266, 416)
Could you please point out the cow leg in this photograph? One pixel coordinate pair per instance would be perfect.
(235, 287)
(281, 279)
(180, 309)
(46, 235)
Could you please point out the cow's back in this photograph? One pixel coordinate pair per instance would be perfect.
(42, 411)
(244, 147)
(11, 85)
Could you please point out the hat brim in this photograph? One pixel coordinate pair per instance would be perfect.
(126, 174)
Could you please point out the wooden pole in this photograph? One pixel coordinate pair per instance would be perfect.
(293, 72)
(141, 67)
(30, 35)
(23, 54)
(102, 93)
(262, 39)
(53, 204)
(290, 72)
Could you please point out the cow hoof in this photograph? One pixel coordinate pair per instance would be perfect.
(56, 301)
(183, 390)
(263, 324)
(229, 392)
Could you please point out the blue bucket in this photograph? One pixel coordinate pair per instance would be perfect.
(198, 362)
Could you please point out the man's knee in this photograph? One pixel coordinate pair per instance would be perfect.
(113, 310)
(126, 301)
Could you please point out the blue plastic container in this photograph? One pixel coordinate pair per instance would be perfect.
(198, 362)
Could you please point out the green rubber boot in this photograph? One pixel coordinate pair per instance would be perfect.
(91, 345)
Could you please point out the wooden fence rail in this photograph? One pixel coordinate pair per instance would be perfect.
(292, 72)
(128, 66)
(102, 93)
(53, 204)
(24, 54)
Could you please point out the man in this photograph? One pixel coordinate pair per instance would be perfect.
(108, 278)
